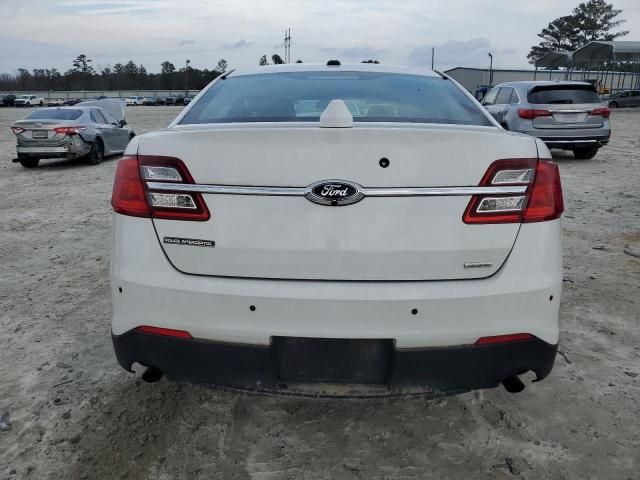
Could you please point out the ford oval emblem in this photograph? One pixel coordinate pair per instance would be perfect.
(335, 193)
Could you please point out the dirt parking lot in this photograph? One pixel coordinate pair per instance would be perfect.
(74, 413)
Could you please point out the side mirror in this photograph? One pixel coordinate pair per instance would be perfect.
(122, 123)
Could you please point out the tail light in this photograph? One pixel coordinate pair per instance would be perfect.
(512, 337)
(132, 193)
(531, 113)
(603, 112)
(541, 200)
(17, 130)
(69, 130)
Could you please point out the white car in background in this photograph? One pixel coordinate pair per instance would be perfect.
(29, 101)
(337, 230)
(134, 101)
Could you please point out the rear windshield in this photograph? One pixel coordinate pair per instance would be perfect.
(561, 94)
(303, 96)
(55, 114)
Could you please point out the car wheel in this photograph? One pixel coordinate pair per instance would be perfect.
(96, 155)
(505, 126)
(613, 104)
(29, 162)
(585, 153)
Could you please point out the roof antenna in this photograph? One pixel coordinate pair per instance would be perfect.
(336, 115)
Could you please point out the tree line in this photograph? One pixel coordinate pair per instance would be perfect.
(128, 76)
(589, 21)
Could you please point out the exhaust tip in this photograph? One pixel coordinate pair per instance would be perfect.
(152, 375)
(513, 384)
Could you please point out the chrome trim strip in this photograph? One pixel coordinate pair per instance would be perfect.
(369, 192)
(442, 191)
(227, 189)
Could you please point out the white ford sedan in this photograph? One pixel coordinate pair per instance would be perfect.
(337, 230)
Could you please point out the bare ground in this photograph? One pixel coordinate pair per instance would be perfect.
(75, 414)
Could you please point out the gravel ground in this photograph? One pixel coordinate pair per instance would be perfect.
(73, 413)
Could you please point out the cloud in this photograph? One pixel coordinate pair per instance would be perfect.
(186, 42)
(239, 44)
(354, 53)
(470, 53)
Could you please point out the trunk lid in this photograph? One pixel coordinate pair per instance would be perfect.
(42, 131)
(378, 238)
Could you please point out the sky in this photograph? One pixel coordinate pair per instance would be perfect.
(51, 33)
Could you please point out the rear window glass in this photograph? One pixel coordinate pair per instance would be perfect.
(564, 95)
(303, 96)
(55, 114)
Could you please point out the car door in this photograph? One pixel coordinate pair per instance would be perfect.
(103, 128)
(489, 101)
(503, 101)
(634, 98)
(120, 133)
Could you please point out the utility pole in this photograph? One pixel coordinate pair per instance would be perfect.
(287, 46)
(433, 54)
(490, 69)
(186, 77)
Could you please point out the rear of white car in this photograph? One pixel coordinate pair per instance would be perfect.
(337, 230)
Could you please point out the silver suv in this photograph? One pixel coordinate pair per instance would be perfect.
(566, 115)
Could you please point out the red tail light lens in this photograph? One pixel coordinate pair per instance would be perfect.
(541, 200)
(133, 192)
(545, 198)
(69, 130)
(128, 196)
(165, 332)
(602, 112)
(17, 130)
(513, 337)
(531, 113)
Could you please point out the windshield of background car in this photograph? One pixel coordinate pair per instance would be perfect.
(303, 96)
(55, 114)
(563, 94)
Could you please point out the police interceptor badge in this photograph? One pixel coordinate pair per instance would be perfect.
(193, 242)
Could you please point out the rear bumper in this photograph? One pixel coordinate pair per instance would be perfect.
(73, 149)
(567, 140)
(435, 370)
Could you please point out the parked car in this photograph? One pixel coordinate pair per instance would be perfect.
(187, 100)
(628, 98)
(8, 100)
(150, 101)
(135, 101)
(171, 100)
(160, 101)
(408, 246)
(72, 101)
(55, 102)
(92, 129)
(565, 115)
(28, 101)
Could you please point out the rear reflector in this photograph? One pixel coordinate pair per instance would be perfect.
(531, 113)
(542, 200)
(165, 332)
(132, 196)
(514, 337)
